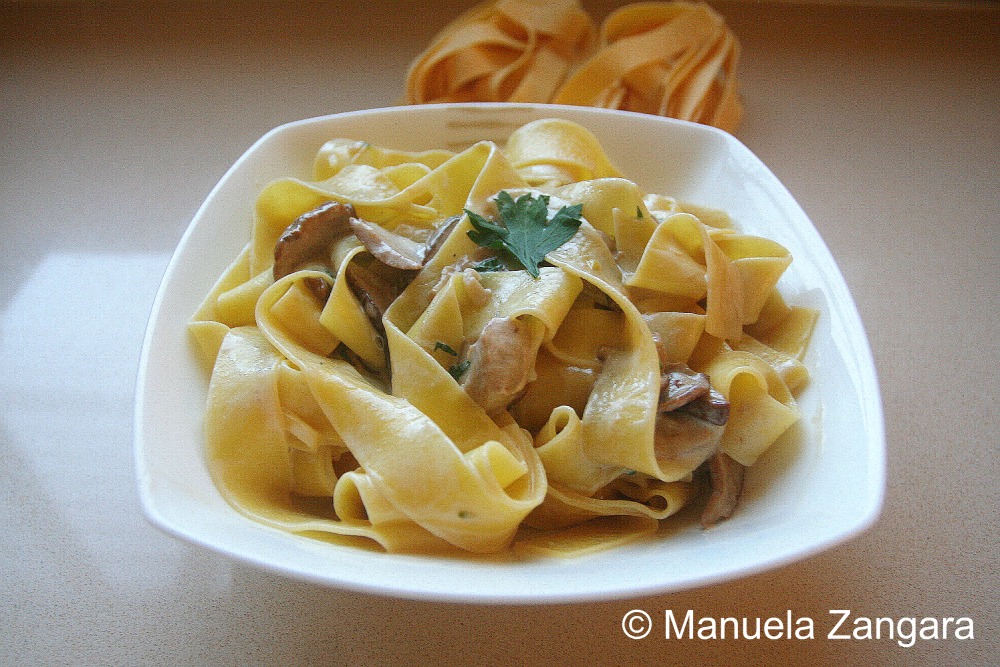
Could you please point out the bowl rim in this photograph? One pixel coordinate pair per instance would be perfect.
(861, 359)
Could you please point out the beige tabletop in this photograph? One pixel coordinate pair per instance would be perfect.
(116, 119)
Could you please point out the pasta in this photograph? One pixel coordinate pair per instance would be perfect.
(503, 51)
(675, 59)
(492, 347)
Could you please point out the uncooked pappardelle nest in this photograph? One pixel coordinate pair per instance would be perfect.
(675, 59)
(500, 345)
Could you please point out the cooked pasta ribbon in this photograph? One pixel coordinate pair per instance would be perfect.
(453, 400)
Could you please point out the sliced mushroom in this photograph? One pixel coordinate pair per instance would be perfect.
(689, 427)
(685, 440)
(376, 286)
(684, 390)
(438, 237)
(712, 408)
(691, 417)
(307, 243)
(501, 363)
(399, 251)
(727, 485)
(679, 385)
(391, 249)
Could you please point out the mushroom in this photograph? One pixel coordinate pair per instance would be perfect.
(501, 363)
(727, 484)
(398, 251)
(438, 237)
(691, 418)
(685, 440)
(388, 247)
(307, 243)
(689, 392)
(375, 286)
(712, 408)
(692, 412)
(679, 385)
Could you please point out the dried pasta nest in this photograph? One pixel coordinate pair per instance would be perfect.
(675, 59)
(503, 51)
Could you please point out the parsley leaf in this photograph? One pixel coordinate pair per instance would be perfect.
(458, 370)
(490, 264)
(447, 348)
(526, 231)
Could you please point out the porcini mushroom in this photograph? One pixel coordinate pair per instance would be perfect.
(691, 393)
(307, 243)
(391, 249)
(689, 425)
(727, 485)
(501, 362)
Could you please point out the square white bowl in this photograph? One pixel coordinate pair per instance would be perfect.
(820, 485)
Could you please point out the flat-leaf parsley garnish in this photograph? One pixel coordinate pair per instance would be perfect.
(526, 232)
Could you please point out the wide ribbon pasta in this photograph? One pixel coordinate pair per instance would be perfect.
(675, 59)
(338, 414)
(502, 51)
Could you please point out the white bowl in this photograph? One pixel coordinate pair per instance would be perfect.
(817, 487)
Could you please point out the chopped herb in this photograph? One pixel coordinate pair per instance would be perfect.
(526, 232)
(638, 212)
(458, 370)
(462, 514)
(490, 264)
(447, 348)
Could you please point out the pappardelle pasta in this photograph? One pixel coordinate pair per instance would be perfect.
(502, 345)
(676, 59)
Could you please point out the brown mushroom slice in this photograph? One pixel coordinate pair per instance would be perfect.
(307, 243)
(679, 385)
(685, 440)
(501, 363)
(391, 249)
(439, 236)
(375, 289)
(727, 476)
(687, 391)
(711, 407)
(689, 425)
